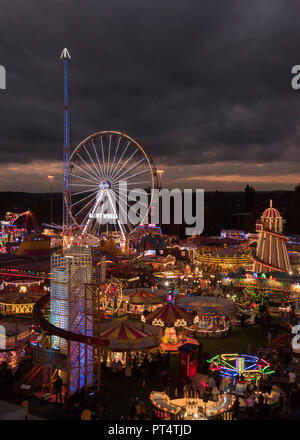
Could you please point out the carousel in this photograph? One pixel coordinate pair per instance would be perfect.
(174, 320)
(18, 298)
(167, 279)
(138, 301)
(127, 340)
(246, 374)
(228, 258)
(214, 316)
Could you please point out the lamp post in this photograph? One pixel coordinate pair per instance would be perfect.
(160, 173)
(51, 178)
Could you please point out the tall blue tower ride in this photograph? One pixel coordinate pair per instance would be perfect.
(65, 56)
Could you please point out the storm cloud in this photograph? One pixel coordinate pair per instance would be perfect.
(205, 86)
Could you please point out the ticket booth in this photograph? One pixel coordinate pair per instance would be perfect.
(188, 360)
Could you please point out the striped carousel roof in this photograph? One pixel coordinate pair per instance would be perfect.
(169, 314)
(123, 331)
(143, 297)
(130, 336)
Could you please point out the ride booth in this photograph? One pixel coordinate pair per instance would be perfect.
(188, 360)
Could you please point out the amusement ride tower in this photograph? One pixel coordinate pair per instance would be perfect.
(271, 251)
(65, 56)
(71, 270)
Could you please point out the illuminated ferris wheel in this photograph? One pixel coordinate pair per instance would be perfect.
(98, 166)
(109, 296)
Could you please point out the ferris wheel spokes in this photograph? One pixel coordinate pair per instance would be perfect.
(114, 210)
(116, 150)
(98, 166)
(124, 151)
(98, 172)
(90, 217)
(134, 166)
(118, 172)
(103, 157)
(108, 157)
(93, 172)
(93, 143)
(85, 172)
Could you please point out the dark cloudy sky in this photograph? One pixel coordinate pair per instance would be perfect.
(205, 86)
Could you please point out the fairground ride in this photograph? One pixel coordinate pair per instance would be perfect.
(14, 227)
(98, 165)
(93, 206)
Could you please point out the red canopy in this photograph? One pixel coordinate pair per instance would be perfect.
(170, 315)
(123, 331)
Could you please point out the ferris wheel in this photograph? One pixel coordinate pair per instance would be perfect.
(110, 296)
(98, 166)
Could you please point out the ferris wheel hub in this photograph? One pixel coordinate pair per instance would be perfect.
(104, 184)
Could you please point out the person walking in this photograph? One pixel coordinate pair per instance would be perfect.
(57, 388)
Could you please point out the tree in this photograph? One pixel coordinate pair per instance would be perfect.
(249, 195)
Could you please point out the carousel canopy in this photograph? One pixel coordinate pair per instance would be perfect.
(130, 336)
(214, 306)
(224, 256)
(123, 331)
(170, 316)
(143, 297)
(20, 298)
